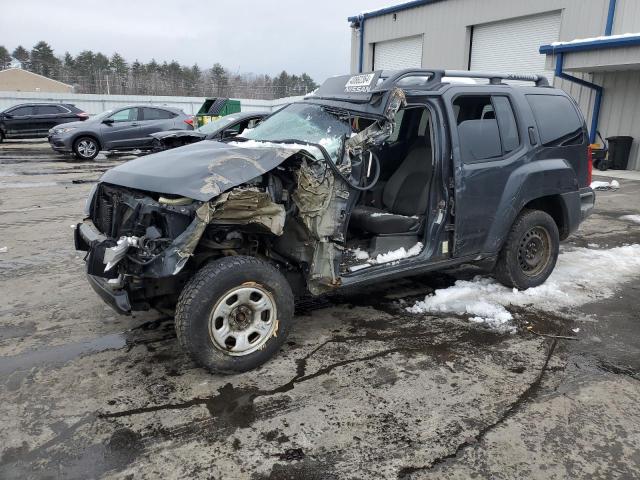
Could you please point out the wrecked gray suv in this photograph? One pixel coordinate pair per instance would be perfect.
(374, 176)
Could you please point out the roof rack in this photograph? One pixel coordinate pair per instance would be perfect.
(438, 75)
(496, 78)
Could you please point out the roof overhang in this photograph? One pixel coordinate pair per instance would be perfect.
(356, 19)
(600, 54)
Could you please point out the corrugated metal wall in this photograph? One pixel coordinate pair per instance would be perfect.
(447, 28)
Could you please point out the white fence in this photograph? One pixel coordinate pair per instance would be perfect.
(93, 103)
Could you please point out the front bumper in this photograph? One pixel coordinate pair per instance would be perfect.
(60, 143)
(118, 299)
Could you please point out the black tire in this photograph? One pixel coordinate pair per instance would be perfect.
(206, 292)
(530, 253)
(86, 148)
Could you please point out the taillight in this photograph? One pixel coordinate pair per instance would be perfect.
(82, 115)
(189, 121)
(589, 165)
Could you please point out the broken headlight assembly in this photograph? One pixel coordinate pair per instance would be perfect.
(145, 235)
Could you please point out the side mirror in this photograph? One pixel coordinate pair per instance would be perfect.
(8, 115)
(107, 121)
(229, 133)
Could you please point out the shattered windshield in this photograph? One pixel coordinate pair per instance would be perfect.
(304, 123)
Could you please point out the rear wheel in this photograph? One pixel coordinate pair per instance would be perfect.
(234, 314)
(530, 253)
(86, 148)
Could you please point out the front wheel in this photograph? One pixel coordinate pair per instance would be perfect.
(530, 253)
(234, 314)
(86, 148)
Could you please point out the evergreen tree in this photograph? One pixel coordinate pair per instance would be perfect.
(5, 58)
(22, 55)
(43, 61)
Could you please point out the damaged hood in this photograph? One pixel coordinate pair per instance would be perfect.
(201, 171)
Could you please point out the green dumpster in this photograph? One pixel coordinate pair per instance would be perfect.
(216, 107)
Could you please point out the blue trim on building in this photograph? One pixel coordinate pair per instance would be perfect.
(610, 14)
(559, 51)
(391, 9)
(361, 54)
(591, 45)
(598, 89)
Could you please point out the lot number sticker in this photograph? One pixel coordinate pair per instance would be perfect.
(359, 83)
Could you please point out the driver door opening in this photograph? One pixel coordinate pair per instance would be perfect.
(388, 221)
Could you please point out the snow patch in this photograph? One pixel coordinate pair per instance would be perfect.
(599, 185)
(631, 218)
(360, 254)
(399, 254)
(596, 39)
(571, 284)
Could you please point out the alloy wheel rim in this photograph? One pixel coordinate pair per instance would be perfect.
(243, 319)
(86, 148)
(534, 251)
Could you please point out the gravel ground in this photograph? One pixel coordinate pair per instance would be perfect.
(362, 389)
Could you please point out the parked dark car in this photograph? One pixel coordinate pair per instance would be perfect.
(223, 127)
(33, 120)
(373, 177)
(122, 129)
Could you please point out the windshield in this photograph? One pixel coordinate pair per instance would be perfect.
(102, 115)
(304, 123)
(217, 124)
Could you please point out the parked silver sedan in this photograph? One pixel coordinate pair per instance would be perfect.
(127, 128)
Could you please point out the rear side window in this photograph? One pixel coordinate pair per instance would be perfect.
(156, 114)
(487, 127)
(49, 110)
(558, 121)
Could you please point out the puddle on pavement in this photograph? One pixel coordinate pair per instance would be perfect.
(55, 356)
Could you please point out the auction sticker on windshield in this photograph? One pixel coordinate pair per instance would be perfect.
(359, 83)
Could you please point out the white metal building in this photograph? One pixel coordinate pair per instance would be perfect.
(590, 48)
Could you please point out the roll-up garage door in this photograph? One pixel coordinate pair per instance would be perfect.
(398, 54)
(512, 45)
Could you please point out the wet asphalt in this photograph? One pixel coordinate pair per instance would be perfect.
(362, 389)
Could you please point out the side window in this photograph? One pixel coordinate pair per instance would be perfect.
(22, 111)
(487, 127)
(126, 115)
(396, 129)
(477, 129)
(506, 123)
(156, 114)
(558, 121)
(48, 110)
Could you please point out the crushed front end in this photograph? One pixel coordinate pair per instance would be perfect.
(137, 244)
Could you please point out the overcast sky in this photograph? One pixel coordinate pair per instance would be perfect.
(265, 36)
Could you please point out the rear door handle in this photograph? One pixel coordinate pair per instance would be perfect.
(134, 124)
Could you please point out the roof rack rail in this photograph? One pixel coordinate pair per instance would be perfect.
(496, 78)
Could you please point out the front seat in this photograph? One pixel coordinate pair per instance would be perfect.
(405, 197)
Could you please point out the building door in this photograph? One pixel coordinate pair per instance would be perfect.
(512, 45)
(398, 54)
